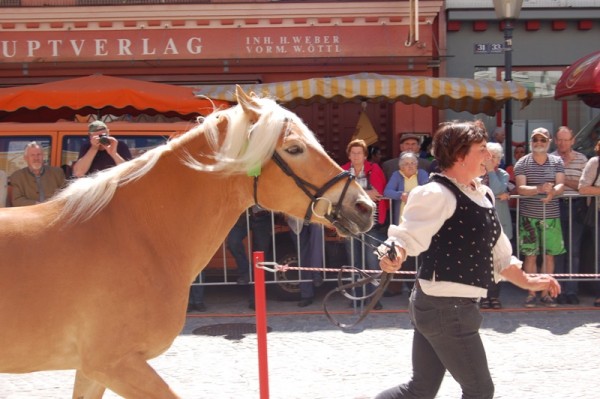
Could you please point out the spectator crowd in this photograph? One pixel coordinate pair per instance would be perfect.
(555, 190)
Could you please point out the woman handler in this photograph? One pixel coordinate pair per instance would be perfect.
(451, 221)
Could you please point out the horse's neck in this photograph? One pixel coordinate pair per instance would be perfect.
(189, 213)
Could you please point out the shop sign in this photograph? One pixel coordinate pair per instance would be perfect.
(489, 48)
(205, 44)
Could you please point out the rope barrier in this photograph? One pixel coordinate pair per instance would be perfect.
(283, 268)
(261, 311)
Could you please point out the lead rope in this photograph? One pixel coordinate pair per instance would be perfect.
(382, 281)
(384, 277)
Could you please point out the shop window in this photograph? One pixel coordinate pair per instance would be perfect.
(137, 145)
(544, 110)
(13, 147)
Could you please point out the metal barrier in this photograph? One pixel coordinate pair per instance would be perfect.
(588, 242)
(286, 249)
(336, 252)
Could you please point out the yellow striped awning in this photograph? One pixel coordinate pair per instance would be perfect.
(458, 94)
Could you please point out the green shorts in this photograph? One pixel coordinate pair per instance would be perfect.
(532, 233)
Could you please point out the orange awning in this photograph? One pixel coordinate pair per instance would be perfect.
(581, 81)
(100, 94)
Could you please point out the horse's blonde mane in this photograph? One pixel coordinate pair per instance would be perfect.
(244, 147)
(243, 152)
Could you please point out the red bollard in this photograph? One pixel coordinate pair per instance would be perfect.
(260, 303)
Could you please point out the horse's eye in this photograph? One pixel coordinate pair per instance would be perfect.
(294, 150)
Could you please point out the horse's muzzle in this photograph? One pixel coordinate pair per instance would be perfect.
(355, 218)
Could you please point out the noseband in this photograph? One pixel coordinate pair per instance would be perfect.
(313, 192)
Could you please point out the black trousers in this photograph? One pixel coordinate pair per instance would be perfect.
(446, 337)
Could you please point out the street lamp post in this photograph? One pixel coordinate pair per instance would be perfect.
(507, 11)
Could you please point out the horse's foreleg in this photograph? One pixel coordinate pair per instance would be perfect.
(133, 378)
(85, 388)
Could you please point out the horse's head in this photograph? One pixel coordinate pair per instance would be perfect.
(301, 179)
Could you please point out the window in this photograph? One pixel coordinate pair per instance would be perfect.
(12, 148)
(544, 110)
(137, 145)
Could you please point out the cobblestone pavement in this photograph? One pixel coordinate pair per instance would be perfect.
(541, 354)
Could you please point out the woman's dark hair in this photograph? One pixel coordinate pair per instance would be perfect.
(597, 148)
(453, 140)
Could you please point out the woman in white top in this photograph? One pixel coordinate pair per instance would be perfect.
(452, 223)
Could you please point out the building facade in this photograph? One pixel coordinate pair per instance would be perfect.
(198, 42)
(548, 36)
(221, 42)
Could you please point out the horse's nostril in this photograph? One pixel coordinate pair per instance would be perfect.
(363, 208)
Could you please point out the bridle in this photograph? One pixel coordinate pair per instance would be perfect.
(315, 194)
(308, 188)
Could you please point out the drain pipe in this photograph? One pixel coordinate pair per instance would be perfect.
(413, 32)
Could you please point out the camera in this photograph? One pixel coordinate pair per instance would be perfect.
(103, 139)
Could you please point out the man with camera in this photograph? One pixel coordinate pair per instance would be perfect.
(102, 152)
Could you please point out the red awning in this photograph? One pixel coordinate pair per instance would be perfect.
(100, 94)
(581, 81)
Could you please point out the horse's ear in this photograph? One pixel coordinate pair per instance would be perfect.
(248, 104)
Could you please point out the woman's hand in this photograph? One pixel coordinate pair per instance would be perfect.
(504, 196)
(374, 195)
(538, 282)
(391, 266)
(543, 282)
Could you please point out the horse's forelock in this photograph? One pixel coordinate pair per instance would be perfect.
(245, 144)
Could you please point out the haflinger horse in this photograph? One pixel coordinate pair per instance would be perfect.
(97, 279)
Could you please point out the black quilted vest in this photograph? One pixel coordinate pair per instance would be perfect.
(461, 251)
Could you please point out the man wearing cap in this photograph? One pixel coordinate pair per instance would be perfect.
(408, 142)
(36, 182)
(102, 152)
(541, 176)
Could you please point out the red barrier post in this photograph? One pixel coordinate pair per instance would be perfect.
(260, 304)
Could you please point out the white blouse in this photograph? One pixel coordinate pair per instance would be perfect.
(427, 209)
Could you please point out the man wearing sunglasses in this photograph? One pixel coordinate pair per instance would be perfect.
(540, 176)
